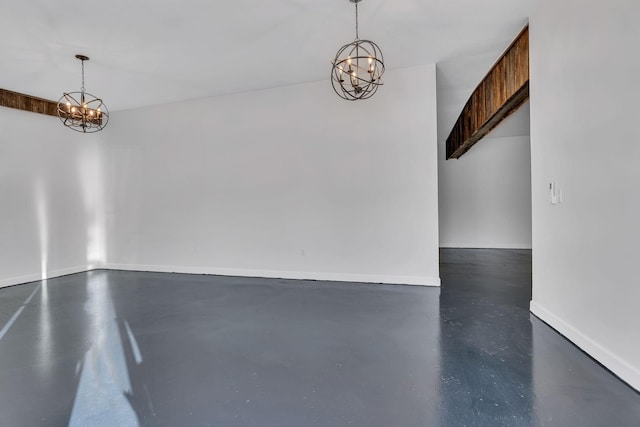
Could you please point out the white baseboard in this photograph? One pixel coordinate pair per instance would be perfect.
(298, 275)
(39, 276)
(477, 246)
(620, 367)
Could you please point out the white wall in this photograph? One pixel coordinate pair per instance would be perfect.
(287, 182)
(49, 198)
(485, 196)
(585, 137)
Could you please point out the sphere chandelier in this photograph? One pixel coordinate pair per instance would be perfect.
(357, 68)
(81, 111)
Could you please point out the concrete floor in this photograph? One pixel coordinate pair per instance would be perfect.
(109, 348)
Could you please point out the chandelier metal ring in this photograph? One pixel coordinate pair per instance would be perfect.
(82, 112)
(357, 70)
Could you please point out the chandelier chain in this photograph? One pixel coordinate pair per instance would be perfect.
(82, 88)
(357, 36)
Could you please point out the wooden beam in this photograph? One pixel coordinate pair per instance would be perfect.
(27, 103)
(503, 90)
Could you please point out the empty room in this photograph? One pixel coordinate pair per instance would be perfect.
(363, 213)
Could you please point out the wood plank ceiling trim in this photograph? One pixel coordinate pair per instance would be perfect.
(30, 103)
(503, 90)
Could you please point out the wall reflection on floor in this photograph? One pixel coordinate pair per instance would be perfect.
(101, 398)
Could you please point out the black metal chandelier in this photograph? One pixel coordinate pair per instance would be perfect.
(82, 111)
(357, 68)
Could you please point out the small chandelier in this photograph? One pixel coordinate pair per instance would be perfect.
(82, 111)
(358, 67)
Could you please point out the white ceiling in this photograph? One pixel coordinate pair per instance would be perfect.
(146, 52)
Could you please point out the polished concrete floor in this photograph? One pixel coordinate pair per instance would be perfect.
(112, 348)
